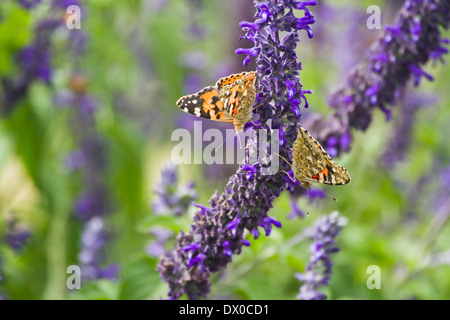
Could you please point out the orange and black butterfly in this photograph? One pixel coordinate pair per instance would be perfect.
(230, 100)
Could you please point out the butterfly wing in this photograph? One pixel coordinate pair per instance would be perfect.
(230, 101)
(238, 94)
(205, 104)
(231, 80)
(312, 163)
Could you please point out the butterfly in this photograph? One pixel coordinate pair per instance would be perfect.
(230, 100)
(311, 163)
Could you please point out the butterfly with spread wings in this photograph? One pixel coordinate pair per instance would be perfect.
(230, 100)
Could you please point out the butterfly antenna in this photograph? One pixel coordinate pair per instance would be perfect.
(293, 180)
(254, 109)
(262, 124)
(239, 139)
(216, 149)
(259, 105)
(324, 193)
(283, 159)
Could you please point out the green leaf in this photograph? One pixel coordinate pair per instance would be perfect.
(15, 33)
(173, 223)
(140, 280)
(98, 290)
(28, 137)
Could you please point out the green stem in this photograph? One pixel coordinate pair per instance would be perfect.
(56, 253)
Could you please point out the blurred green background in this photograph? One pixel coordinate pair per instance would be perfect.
(134, 59)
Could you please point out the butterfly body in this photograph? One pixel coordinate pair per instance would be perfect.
(311, 163)
(231, 100)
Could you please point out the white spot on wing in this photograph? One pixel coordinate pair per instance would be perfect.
(321, 177)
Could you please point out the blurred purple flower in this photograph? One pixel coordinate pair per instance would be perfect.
(171, 198)
(158, 248)
(445, 178)
(195, 30)
(440, 199)
(311, 194)
(86, 104)
(319, 269)
(155, 5)
(398, 56)
(91, 157)
(16, 236)
(64, 4)
(194, 60)
(16, 240)
(398, 145)
(1, 279)
(34, 63)
(29, 4)
(346, 40)
(93, 202)
(94, 239)
(75, 160)
(193, 83)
